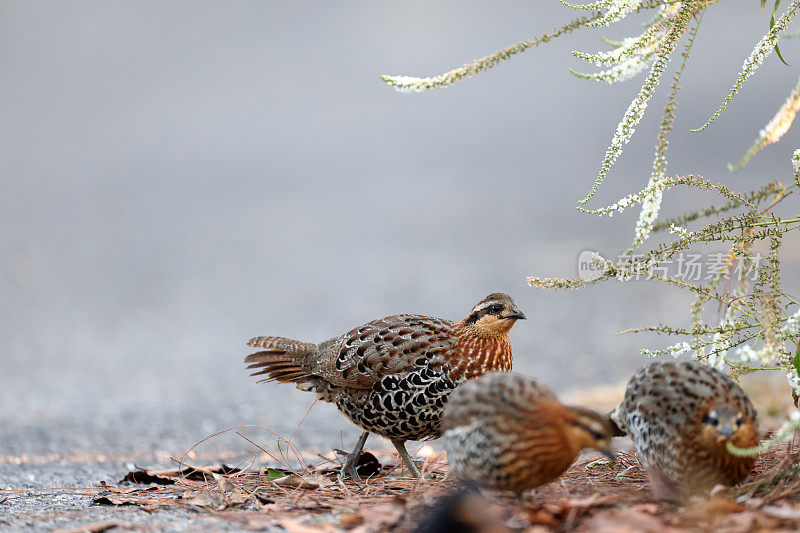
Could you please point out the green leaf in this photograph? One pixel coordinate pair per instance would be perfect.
(771, 24)
(778, 51)
(272, 474)
(796, 365)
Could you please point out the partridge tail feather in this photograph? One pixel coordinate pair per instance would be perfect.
(280, 359)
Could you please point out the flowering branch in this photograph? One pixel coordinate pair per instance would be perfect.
(764, 47)
(775, 129)
(416, 85)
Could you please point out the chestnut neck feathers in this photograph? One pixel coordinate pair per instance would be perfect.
(483, 343)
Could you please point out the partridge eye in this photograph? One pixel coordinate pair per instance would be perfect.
(495, 309)
(596, 434)
(739, 421)
(711, 419)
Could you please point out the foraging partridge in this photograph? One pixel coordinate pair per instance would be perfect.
(680, 417)
(508, 432)
(393, 376)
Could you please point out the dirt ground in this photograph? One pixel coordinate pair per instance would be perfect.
(594, 495)
(301, 493)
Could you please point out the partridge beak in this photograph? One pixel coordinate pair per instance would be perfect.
(726, 430)
(609, 453)
(516, 314)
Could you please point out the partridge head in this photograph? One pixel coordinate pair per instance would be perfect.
(493, 316)
(723, 423)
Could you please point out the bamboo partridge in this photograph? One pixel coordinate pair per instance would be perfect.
(393, 376)
(508, 432)
(680, 417)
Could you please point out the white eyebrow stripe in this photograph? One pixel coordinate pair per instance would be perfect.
(484, 305)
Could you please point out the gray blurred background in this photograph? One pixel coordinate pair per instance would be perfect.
(179, 177)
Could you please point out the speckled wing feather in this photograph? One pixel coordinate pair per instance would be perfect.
(508, 394)
(387, 346)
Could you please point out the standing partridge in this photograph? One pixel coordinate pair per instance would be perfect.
(393, 376)
(680, 417)
(508, 432)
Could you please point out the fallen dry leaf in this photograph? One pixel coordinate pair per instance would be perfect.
(231, 493)
(171, 475)
(94, 527)
(588, 501)
(381, 517)
(540, 517)
(648, 508)
(351, 520)
(123, 496)
(626, 520)
(257, 524)
(295, 482)
(308, 481)
(208, 500)
(718, 505)
(106, 500)
(263, 498)
(145, 477)
(295, 526)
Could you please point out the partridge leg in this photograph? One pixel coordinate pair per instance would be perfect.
(349, 466)
(401, 449)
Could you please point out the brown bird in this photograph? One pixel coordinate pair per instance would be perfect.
(680, 417)
(393, 376)
(508, 432)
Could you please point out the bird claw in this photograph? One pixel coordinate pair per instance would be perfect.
(349, 467)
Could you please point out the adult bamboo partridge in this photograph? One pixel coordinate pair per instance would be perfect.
(393, 376)
(680, 417)
(508, 432)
